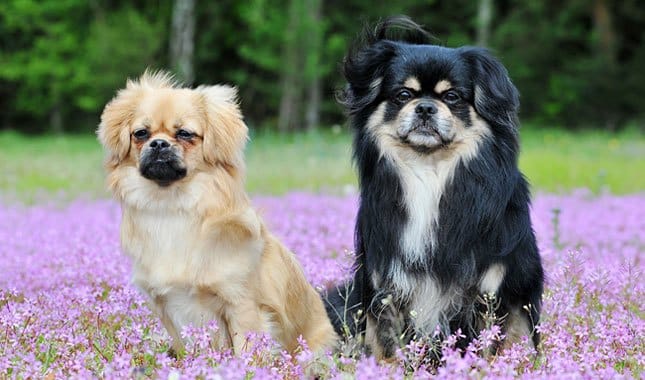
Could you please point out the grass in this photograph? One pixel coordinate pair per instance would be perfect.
(32, 165)
(314, 161)
(557, 160)
(553, 160)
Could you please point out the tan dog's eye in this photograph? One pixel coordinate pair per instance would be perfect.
(451, 97)
(184, 134)
(141, 134)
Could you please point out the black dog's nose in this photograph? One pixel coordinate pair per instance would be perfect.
(159, 144)
(425, 110)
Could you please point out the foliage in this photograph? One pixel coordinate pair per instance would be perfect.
(104, 50)
(62, 60)
(554, 55)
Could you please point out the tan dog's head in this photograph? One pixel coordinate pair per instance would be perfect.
(169, 133)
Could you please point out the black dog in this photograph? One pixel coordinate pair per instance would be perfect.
(443, 222)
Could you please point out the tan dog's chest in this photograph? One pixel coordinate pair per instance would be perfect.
(191, 276)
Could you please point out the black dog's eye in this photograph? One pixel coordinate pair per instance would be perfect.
(451, 97)
(403, 96)
(184, 134)
(141, 134)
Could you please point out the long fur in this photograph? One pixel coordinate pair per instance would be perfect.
(436, 230)
(200, 252)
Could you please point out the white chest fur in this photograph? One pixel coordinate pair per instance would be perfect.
(424, 180)
(423, 186)
(171, 250)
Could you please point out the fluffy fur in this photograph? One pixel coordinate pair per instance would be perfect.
(199, 251)
(444, 218)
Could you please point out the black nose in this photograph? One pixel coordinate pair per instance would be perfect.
(159, 144)
(425, 110)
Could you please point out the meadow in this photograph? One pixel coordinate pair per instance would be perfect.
(554, 160)
(68, 309)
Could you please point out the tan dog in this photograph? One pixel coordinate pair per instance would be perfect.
(200, 252)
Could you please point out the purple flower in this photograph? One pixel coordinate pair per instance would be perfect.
(68, 309)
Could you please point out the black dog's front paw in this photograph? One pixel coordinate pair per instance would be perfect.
(387, 329)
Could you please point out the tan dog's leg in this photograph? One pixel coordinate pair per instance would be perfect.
(242, 318)
(297, 308)
(177, 343)
(158, 306)
(320, 335)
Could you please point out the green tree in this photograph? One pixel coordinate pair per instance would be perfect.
(65, 59)
(571, 62)
(576, 63)
(41, 57)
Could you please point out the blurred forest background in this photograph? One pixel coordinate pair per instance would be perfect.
(577, 63)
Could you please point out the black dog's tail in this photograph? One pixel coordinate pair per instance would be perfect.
(344, 308)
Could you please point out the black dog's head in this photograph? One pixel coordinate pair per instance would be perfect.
(407, 93)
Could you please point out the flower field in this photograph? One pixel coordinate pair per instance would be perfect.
(68, 309)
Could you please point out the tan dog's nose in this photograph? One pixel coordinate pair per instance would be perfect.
(159, 144)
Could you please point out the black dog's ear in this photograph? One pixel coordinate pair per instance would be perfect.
(364, 69)
(365, 63)
(496, 98)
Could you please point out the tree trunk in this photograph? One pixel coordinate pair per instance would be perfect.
(56, 119)
(182, 40)
(605, 46)
(289, 116)
(484, 19)
(312, 118)
(606, 38)
(312, 113)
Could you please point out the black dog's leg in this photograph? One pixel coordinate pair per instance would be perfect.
(388, 326)
(345, 309)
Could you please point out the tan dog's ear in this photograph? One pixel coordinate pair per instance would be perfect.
(225, 133)
(114, 131)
